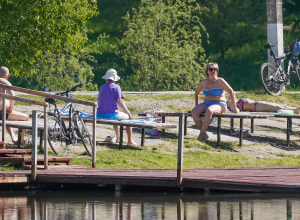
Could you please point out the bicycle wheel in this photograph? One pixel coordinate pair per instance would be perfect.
(57, 136)
(272, 81)
(83, 133)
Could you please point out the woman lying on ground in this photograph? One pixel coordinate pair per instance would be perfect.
(214, 89)
(248, 105)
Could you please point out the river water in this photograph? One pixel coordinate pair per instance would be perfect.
(61, 205)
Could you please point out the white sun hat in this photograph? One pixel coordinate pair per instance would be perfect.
(112, 75)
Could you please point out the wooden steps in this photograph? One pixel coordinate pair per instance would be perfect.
(40, 160)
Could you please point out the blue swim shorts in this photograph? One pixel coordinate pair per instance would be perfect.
(209, 103)
(109, 115)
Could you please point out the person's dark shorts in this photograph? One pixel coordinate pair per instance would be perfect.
(1, 115)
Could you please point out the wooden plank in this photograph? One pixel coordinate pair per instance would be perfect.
(15, 151)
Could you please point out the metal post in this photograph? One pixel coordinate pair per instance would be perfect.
(143, 137)
(94, 138)
(180, 150)
(45, 138)
(185, 124)
(241, 132)
(121, 137)
(275, 27)
(219, 131)
(34, 146)
(252, 125)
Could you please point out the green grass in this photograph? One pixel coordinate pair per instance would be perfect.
(143, 159)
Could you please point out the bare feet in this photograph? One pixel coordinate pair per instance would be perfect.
(14, 139)
(132, 143)
(204, 138)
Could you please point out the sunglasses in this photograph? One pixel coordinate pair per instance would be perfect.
(212, 69)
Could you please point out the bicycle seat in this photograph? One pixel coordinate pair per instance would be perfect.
(50, 100)
(268, 46)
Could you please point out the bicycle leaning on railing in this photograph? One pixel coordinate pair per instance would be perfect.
(61, 136)
(274, 78)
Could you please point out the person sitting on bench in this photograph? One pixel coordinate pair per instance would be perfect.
(11, 114)
(245, 104)
(109, 98)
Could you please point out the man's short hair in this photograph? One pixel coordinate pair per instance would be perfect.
(4, 71)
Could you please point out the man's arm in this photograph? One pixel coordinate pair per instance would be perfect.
(122, 104)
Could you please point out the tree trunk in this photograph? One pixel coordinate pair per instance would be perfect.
(222, 59)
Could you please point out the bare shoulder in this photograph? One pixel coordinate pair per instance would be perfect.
(4, 81)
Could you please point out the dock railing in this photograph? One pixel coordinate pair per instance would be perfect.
(43, 94)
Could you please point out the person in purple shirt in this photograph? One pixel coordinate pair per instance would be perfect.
(110, 97)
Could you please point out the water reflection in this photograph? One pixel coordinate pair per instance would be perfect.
(146, 206)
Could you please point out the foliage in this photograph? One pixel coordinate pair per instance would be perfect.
(230, 24)
(163, 45)
(58, 71)
(29, 28)
(291, 13)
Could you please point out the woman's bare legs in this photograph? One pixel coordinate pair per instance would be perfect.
(196, 112)
(128, 130)
(274, 107)
(16, 116)
(216, 108)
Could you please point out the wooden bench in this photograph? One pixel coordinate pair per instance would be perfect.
(122, 123)
(23, 160)
(24, 125)
(4, 152)
(232, 116)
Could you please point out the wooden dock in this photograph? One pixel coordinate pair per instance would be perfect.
(251, 179)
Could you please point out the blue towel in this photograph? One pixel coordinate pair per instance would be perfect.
(90, 116)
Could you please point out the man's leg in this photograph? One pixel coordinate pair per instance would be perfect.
(17, 116)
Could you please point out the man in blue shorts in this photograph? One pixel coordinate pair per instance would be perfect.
(109, 98)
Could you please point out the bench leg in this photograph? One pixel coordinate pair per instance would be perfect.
(143, 137)
(163, 120)
(288, 125)
(252, 125)
(19, 138)
(185, 125)
(232, 125)
(241, 132)
(121, 138)
(41, 139)
(219, 131)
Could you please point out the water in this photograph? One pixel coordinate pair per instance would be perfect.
(61, 205)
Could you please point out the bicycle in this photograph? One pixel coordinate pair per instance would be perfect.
(59, 135)
(274, 79)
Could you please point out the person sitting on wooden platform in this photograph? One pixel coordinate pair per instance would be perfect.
(214, 89)
(11, 114)
(109, 98)
(245, 104)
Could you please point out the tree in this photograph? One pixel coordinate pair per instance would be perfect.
(162, 45)
(231, 23)
(291, 13)
(31, 28)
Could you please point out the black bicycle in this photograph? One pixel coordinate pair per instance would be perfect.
(61, 136)
(274, 78)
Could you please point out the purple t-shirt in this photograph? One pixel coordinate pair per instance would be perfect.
(107, 98)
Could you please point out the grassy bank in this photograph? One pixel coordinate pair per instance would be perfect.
(196, 154)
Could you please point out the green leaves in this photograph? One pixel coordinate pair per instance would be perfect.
(31, 27)
(163, 45)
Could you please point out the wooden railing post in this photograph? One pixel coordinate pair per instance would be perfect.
(45, 138)
(94, 138)
(180, 149)
(34, 146)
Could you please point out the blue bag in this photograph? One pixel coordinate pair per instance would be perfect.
(296, 48)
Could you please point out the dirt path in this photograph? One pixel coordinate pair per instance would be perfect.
(268, 140)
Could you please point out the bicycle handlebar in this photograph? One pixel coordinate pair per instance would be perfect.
(72, 89)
